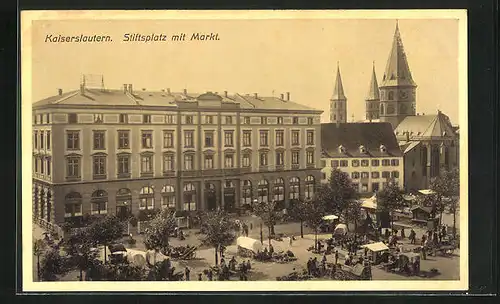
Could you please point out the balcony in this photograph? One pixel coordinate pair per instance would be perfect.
(124, 175)
(169, 173)
(263, 168)
(147, 174)
(233, 171)
(280, 167)
(212, 172)
(191, 173)
(310, 166)
(245, 170)
(295, 166)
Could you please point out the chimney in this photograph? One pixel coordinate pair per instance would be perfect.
(225, 94)
(185, 91)
(168, 91)
(282, 97)
(130, 90)
(255, 95)
(59, 91)
(287, 96)
(124, 88)
(82, 89)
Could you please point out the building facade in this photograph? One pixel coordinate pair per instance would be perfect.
(101, 151)
(367, 152)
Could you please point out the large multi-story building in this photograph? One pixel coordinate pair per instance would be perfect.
(367, 152)
(102, 151)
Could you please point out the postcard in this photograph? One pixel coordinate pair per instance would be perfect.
(201, 151)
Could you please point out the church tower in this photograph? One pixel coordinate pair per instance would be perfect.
(338, 102)
(373, 99)
(397, 91)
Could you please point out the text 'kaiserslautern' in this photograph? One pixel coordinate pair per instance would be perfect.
(78, 38)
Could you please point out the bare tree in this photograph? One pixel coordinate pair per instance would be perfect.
(269, 215)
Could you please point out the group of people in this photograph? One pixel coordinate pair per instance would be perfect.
(225, 270)
(243, 228)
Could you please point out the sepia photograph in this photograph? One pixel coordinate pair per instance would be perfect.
(244, 150)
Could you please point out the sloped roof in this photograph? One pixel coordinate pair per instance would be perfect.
(109, 97)
(373, 91)
(352, 135)
(425, 209)
(338, 89)
(397, 71)
(425, 126)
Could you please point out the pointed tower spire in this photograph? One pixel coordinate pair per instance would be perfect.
(373, 92)
(397, 71)
(338, 90)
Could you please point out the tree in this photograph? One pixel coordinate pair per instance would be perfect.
(353, 213)
(389, 199)
(160, 228)
(447, 187)
(337, 192)
(218, 230)
(39, 248)
(104, 231)
(53, 264)
(268, 214)
(314, 212)
(78, 246)
(299, 212)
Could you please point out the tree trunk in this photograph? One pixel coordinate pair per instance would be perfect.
(269, 236)
(301, 229)
(316, 239)
(216, 257)
(272, 230)
(392, 220)
(261, 235)
(38, 266)
(454, 223)
(105, 254)
(81, 274)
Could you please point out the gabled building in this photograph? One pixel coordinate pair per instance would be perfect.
(368, 152)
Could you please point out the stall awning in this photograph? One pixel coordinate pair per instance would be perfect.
(249, 243)
(375, 247)
(330, 217)
(369, 204)
(426, 191)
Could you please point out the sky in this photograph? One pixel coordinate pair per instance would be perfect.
(269, 56)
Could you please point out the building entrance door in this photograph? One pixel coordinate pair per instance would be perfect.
(122, 212)
(229, 201)
(211, 200)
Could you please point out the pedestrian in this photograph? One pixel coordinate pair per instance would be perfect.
(271, 249)
(323, 260)
(248, 266)
(210, 275)
(336, 257)
(232, 264)
(366, 251)
(199, 277)
(412, 236)
(424, 252)
(309, 266)
(402, 233)
(424, 239)
(291, 240)
(187, 272)
(221, 251)
(251, 226)
(222, 262)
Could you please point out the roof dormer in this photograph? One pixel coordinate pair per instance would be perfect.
(342, 149)
(383, 149)
(362, 149)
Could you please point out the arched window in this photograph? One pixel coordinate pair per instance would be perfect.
(146, 198)
(391, 95)
(246, 192)
(382, 108)
(294, 188)
(35, 201)
(189, 197)
(310, 183)
(72, 205)
(42, 203)
(168, 197)
(99, 202)
(263, 191)
(279, 190)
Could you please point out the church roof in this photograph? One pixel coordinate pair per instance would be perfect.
(373, 91)
(377, 139)
(423, 127)
(397, 71)
(338, 90)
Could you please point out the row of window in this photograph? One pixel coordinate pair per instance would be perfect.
(42, 140)
(99, 139)
(364, 175)
(375, 186)
(99, 199)
(42, 165)
(362, 163)
(169, 119)
(99, 167)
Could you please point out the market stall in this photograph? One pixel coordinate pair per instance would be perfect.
(376, 251)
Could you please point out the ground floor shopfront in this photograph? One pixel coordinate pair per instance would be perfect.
(61, 203)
